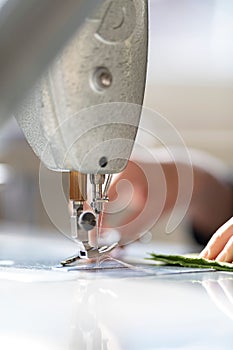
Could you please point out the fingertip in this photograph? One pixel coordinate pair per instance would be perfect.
(221, 257)
(204, 254)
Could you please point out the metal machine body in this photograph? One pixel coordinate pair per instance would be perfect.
(83, 114)
(32, 34)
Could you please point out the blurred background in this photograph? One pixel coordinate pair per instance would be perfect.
(190, 75)
(190, 82)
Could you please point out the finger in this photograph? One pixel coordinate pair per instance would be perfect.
(204, 253)
(227, 253)
(218, 241)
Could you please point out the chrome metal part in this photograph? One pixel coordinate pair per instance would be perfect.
(84, 221)
(87, 221)
(97, 181)
(90, 253)
(81, 221)
(107, 185)
(99, 196)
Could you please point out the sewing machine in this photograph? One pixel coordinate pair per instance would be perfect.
(82, 115)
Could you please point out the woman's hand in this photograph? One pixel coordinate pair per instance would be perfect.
(220, 246)
(145, 191)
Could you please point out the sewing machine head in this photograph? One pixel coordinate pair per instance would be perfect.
(83, 114)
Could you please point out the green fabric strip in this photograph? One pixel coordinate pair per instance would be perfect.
(188, 261)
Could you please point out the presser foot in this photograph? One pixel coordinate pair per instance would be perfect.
(90, 253)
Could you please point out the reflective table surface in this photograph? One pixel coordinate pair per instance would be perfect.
(148, 308)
